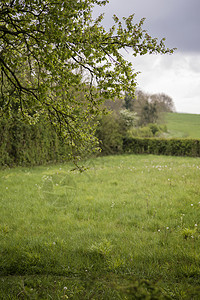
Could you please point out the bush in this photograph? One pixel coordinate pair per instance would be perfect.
(140, 132)
(154, 128)
(109, 133)
(150, 130)
(174, 147)
(24, 144)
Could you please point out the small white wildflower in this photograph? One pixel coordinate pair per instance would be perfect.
(167, 228)
(158, 230)
(192, 236)
(6, 188)
(113, 204)
(65, 288)
(192, 204)
(195, 225)
(54, 243)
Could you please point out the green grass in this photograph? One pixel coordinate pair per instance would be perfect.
(183, 125)
(125, 228)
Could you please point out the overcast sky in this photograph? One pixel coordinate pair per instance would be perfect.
(176, 75)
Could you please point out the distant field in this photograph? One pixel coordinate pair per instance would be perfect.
(100, 233)
(183, 125)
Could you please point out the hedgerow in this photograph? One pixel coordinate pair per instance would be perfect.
(23, 144)
(161, 146)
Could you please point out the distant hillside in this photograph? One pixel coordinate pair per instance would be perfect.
(183, 125)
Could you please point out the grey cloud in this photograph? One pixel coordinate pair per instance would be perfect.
(176, 20)
(177, 75)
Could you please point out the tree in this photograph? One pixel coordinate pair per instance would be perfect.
(128, 101)
(164, 102)
(150, 107)
(149, 113)
(56, 61)
(138, 103)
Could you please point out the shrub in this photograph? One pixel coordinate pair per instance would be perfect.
(109, 133)
(174, 147)
(25, 144)
(154, 128)
(149, 130)
(140, 132)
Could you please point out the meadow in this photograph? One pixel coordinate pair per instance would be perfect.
(183, 125)
(126, 228)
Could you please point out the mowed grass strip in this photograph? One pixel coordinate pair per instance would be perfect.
(98, 234)
(181, 125)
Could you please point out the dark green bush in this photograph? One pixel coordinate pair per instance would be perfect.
(159, 146)
(110, 134)
(24, 144)
(112, 128)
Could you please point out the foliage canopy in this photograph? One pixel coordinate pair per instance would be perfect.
(59, 63)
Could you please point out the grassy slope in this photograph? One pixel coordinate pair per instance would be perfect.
(183, 125)
(93, 234)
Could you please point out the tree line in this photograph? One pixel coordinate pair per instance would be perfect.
(138, 116)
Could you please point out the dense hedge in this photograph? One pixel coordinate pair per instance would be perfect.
(174, 147)
(24, 144)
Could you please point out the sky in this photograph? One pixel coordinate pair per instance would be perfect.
(177, 75)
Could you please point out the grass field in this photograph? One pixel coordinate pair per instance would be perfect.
(127, 228)
(183, 125)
